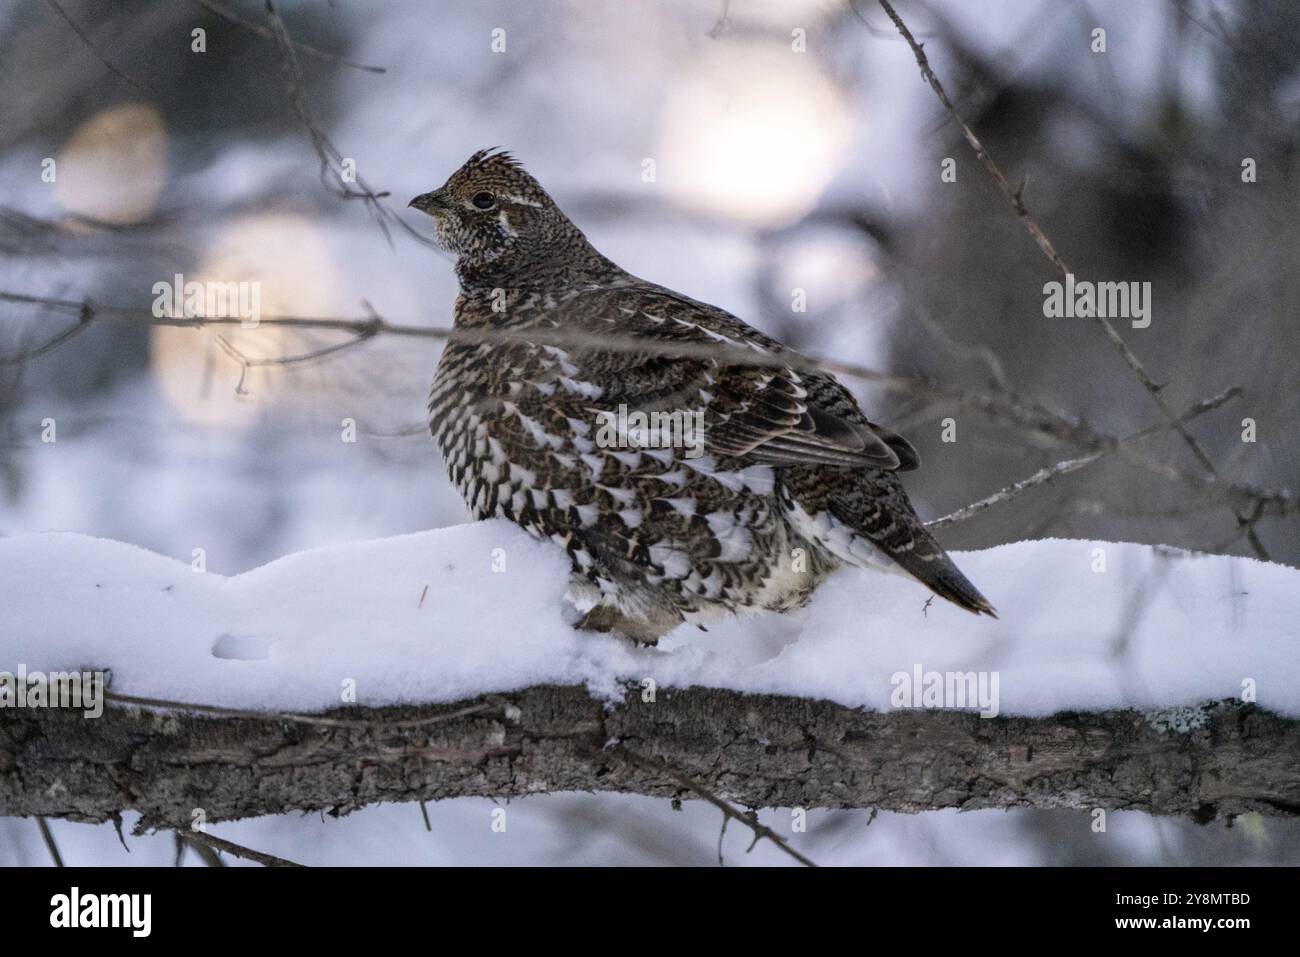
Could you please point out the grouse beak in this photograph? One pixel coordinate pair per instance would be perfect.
(426, 202)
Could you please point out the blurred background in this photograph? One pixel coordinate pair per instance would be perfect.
(779, 158)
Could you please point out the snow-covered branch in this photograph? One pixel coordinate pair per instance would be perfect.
(446, 663)
(757, 750)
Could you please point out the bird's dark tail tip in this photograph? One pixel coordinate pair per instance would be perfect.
(950, 583)
(936, 571)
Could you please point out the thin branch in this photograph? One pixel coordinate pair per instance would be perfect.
(729, 811)
(305, 358)
(225, 13)
(374, 325)
(1040, 477)
(91, 47)
(1015, 196)
(997, 405)
(720, 24)
(206, 854)
(203, 839)
(980, 353)
(48, 837)
(331, 159)
(23, 355)
(1051, 472)
(362, 329)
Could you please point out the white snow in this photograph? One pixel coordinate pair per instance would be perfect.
(1155, 628)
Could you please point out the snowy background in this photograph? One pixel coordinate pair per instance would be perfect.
(775, 170)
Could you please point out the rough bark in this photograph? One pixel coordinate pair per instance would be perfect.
(756, 750)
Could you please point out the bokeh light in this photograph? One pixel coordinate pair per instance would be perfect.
(754, 132)
(114, 166)
(292, 264)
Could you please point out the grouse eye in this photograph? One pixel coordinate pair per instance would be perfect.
(484, 200)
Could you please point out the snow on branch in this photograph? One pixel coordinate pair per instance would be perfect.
(445, 664)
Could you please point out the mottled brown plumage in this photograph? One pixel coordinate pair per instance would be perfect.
(791, 479)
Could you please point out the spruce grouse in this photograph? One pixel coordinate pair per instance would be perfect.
(688, 464)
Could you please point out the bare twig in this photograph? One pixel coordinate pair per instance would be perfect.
(720, 24)
(1050, 472)
(997, 404)
(1015, 196)
(225, 13)
(316, 355)
(331, 160)
(48, 837)
(729, 811)
(206, 854)
(1040, 477)
(373, 325)
(91, 47)
(363, 329)
(23, 355)
(298, 359)
(203, 839)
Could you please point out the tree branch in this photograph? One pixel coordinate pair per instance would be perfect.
(201, 840)
(729, 811)
(221, 10)
(1249, 503)
(750, 750)
(1051, 472)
